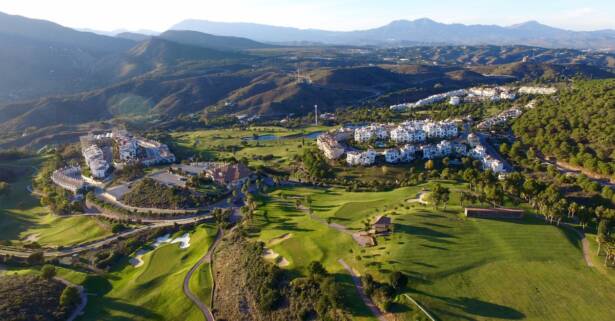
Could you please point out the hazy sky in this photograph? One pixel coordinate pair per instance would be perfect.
(323, 14)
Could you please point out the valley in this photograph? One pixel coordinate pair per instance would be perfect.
(231, 171)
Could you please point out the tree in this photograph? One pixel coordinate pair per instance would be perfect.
(4, 188)
(440, 195)
(429, 165)
(573, 208)
(398, 280)
(48, 272)
(36, 258)
(504, 149)
(316, 269)
(70, 297)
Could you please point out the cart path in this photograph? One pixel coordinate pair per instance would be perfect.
(366, 299)
(205, 259)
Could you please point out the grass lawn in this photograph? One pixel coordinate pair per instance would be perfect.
(460, 269)
(23, 218)
(216, 143)
(152, 291)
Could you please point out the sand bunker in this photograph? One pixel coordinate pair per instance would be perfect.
(280, 239)
(32, 238)
(421, 198)
(277, 259)
(184, 243)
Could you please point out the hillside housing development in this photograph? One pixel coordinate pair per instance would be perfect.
(476, 94)
(102, 152)
(414, 139)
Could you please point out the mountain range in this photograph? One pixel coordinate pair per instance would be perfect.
(56, 77)
(420, 31)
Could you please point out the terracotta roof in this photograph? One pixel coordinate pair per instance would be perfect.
(229, 173)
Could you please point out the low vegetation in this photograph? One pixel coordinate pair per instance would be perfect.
(249, 288)
(149, 193)
(31, 297)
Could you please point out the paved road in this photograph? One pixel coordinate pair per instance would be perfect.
(205, 259)
(366, 299)
(101, 243)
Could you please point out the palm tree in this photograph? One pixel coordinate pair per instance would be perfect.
(573, 208)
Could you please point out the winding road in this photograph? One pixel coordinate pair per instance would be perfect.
(205, 259)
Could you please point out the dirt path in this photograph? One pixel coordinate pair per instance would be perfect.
(366, 299)
(205, 259)
(585, 244)
(84, 299)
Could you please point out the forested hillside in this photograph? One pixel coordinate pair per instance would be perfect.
(578, 126)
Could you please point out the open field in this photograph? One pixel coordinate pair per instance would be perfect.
(22, 218)
(152, 291)
(218, 143)
(460, 268)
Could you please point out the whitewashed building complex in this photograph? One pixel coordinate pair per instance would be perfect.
(119, 148)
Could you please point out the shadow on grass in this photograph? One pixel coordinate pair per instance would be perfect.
(103, 308)
(421, 231)
(476, 307)
(435, 247)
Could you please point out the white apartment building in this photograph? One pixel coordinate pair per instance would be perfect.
(444, 148)
(455, 101)
(127, 149)
(392, 155)
(530, 90)
(400, 135)
(95, 160)
(440, 130)
(460, 149)
(365, 158)
(478, 152)
(406, 153)
(374, 131)
(430, 151)
(330, 147)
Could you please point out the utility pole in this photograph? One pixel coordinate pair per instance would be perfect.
(316, 114)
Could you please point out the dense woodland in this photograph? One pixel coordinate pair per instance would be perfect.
(578, 126)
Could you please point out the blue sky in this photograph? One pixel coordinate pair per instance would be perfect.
(323, 14)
